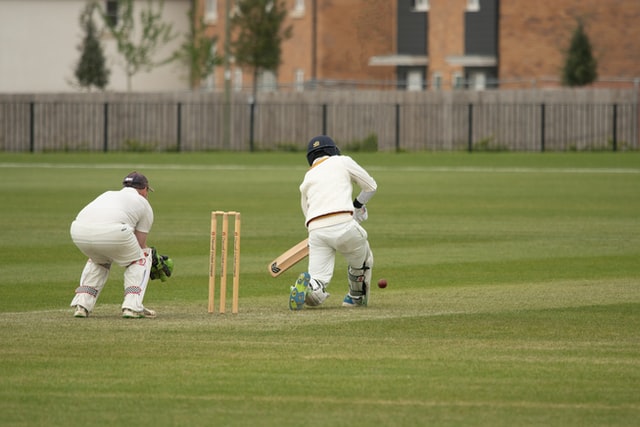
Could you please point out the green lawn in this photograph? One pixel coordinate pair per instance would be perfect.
(513, 297)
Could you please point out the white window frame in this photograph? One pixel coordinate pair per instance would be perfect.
(237, 79)
(299, 79)
(210, 81)
(415, 80)
(457, 80)
(420, 5)
(298, 9)
(479, 80)
(211, 11)
(234, 8)
(268, 81)
(473, 5)
(437, 81)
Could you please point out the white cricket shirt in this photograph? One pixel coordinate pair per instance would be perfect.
(328, 186)
(126, 206)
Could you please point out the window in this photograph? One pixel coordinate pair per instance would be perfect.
(234, 8)
(420, 5)
(479, 80)
(298, 9)
(437, 81)
(414, 80)
(237, 80)
(211, 11)
(268, 81)
(299, 80)
(112, 12)
(473, 5)
(457, 81)
(210, 81)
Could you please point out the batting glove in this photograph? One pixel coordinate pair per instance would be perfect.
(360, 214)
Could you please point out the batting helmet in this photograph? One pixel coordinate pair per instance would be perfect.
(321, 146)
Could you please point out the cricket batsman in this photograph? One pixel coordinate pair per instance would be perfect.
(333, 218)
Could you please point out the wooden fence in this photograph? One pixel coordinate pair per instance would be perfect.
(519, 120)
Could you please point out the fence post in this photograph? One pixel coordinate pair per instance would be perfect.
(397, 128)
(470, 121)
(324, 119)
(615, 127)
(105, 131)
(179, 128)
(32, 125)
(252, 120)
(542, 126)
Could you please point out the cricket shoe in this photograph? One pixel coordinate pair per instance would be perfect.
(350, 301)
(298, 292)
(81, 312)
(361, 301)
(127, 313)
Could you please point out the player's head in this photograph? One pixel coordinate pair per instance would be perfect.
(136, 180)
(321, 146)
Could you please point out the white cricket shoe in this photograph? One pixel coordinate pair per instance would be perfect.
(127, 313)
(149, 313)
(81, 312)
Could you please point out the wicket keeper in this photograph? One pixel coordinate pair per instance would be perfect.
(113, 228)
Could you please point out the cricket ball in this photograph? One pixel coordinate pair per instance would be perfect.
(382, 283)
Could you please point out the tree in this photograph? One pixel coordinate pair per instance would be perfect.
(580, 67)
(196, 52)
(259, 34)
(91, 69)
(154, 34)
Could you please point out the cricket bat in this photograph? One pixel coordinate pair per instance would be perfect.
(289, 258)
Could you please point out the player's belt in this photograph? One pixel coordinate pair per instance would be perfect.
(328, 215)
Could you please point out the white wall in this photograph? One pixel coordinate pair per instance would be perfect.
(39, 42)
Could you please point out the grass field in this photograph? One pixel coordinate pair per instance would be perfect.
(513, 297)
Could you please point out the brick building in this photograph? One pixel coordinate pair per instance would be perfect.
(440, 44)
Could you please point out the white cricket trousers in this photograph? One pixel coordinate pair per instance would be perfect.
(347, 238)
(105, 244)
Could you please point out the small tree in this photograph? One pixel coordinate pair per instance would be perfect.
(154, 34)
(580, 67)
(258, 25)
(196, 52)
(91, 69)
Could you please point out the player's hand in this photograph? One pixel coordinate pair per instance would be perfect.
(360, 214)
(161, 267)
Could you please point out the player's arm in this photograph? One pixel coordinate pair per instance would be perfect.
(142, 238)
(367, 184)
(368, 187)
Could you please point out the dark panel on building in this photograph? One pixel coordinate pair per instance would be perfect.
(481, 30)
(412, 29)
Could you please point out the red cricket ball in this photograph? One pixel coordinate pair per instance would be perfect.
(382, 283)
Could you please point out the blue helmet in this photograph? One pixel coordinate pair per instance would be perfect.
(321, 146)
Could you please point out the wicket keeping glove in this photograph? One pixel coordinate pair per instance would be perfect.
(161, 266)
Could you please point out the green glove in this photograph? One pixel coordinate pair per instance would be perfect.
(161, 266)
